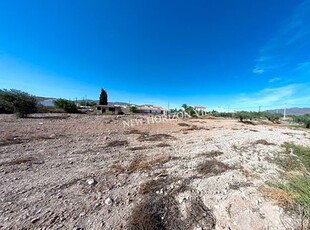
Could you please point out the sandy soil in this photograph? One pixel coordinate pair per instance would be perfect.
(93, 172)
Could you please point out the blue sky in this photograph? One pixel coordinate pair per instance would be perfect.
(217, 53)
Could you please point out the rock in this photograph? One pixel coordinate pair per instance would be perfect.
(108, 201)
(91, 181)
(35, 220)
(106, 138)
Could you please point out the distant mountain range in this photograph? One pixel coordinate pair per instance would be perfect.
(291, 111)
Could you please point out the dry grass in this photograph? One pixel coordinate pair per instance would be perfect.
(156, 137)
(152, 186)
(156, 212)
(253, 130)
(162, 145)
(135, 131)
(212, 167)
(195, 127)
(22, 160)
(12, 140)
(160, 212)
(213, 153)
(139, 148)
(284, 198)
(117, 143)
(118, 168)
(184, 124)
(238, 185)
(262, 142)
(141, 163)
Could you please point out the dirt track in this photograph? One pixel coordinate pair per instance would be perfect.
(91, 172)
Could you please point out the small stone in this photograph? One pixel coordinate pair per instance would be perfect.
(82, 214)
(91, 181)
(35, 220)
(108, 201)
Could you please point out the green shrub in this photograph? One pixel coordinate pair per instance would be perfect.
(304, 119)
(132, 109)
(17, 102)
(273, 117)
(67, 105)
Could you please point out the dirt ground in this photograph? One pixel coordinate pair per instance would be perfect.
(96, 172)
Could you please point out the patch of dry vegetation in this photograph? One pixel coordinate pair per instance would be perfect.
(156, 212)
(141, 163)
(137, 148)
(212, 167)
(184, 124)
(262, 142)
(12, 140)
(160, 210)
(163, 145)
(117, 143)
(135, 131)
(22, 160)
(156, 137)
(195, 127)
(213, 153)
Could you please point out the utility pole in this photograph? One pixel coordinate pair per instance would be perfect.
(168, 104)
(284, 117)
(259, 109)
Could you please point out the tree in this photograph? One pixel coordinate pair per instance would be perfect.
(273, 117)
(132, 109)
(67, 105)
(303, 119)
(184, 106)
(103, 100)
(17, 102)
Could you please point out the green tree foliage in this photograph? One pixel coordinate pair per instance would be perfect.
(67, 105)
(17, 102)
(244, 115)
(303, 119)
(273, 117)
(103, 100)
(132, 109)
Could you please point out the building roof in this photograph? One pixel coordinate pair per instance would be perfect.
(107, 106)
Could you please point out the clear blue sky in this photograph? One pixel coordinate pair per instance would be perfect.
(237, 53)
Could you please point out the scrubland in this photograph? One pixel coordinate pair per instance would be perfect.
(94, 172)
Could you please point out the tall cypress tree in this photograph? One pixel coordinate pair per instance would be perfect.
(103, 100)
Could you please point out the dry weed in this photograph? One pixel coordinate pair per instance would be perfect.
(156, 137)
(213, 153)
(212, 167)
(183, 124)
(139, 148)
(284, 198)
(117, 143)
(263, 142)
(163, 145)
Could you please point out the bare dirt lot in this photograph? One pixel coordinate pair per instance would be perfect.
(94, 172)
